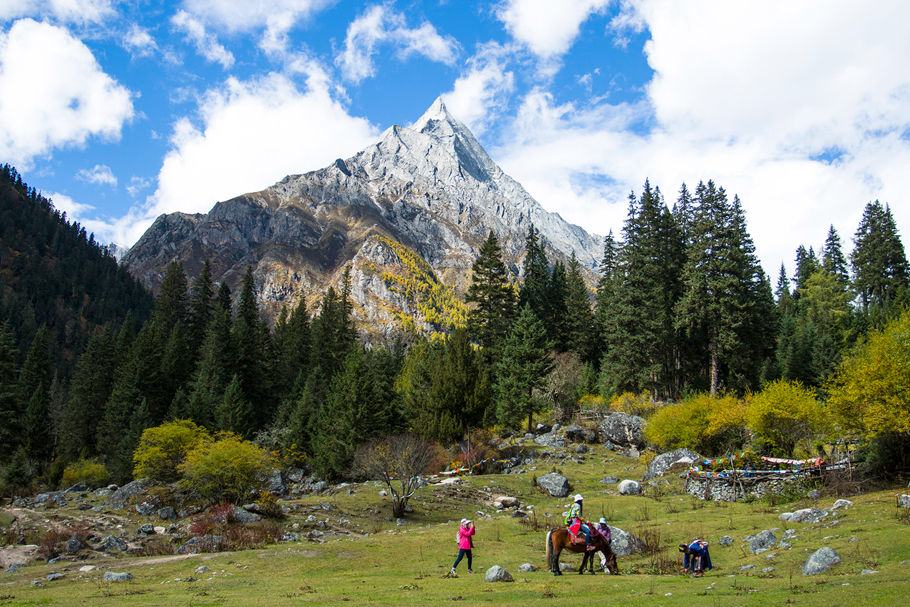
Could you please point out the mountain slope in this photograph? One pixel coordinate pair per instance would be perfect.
(429, 190)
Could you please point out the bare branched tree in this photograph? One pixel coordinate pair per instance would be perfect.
(399, 462)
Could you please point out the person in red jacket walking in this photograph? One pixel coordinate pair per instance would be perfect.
(465, 544)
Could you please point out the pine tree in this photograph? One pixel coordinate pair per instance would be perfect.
(833, 260)
(880, 273)
(607, 285)
(34, 384)
(806, 264)
(211, 377)
(250, 346)
(90, 389)
(492, 294)
(10, 395)
(535, 267)
(291, 340)
(235, 412)
(125, 412)
(201, 308)
(580, 325)
(555, 322)
(522, 368)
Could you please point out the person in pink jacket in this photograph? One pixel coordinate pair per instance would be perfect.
(465, 544)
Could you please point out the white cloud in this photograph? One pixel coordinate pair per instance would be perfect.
(548, 28)
(100, 174)
(65, 11)
(206, 44)
(482, 90)
(752, 96)
(139, 42)
(382, 25)
(277, 17)
(64, 203)
(251, 134)
(53, 93)
(137, 184)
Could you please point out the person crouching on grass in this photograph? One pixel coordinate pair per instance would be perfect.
(465, 544)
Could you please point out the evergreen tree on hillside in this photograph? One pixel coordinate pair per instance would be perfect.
(235, 412)
(880, 274)
(555, 322)
(833, 260)
(726, 300)
(607, 285)
(492, 295)
(34, 385)
(535, 289)
(806, 264)
(250, 344)
(580, 324)
(522, 368)
(201, 309)
(126, 414)
(333, 335)
(291, 340)
(10, 395)
(88, 394)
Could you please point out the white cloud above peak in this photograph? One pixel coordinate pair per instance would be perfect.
(79, 12)
(547, 27)
(206, 44)
(380, 24)
(53, 93)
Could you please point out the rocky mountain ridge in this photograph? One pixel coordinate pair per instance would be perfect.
(407, 215)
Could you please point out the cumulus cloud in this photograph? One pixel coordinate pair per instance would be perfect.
(65, 11)
(248, 135)
(53, 93)
(798, 109)
(206, 44)
(99, 174)
(137, 184)
(547, 28)
(483, 88)
(69, 206)
(382, 25)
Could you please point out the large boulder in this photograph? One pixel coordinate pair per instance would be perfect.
(121, 496)
(113, 543)
(805, 515)
(555, 484)
(51, 497)
(498, 574)
(117, 576)
(660, 464)
(820, 561)
(629, 487)
(243, 517)
(577, 434)
(275, 483)
(903, 501)
(622, 429)
(623, 543)
(761, 542)
(551, 439)
(17, 555)
(202, 543)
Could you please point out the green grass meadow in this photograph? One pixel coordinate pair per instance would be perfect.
(407, 565)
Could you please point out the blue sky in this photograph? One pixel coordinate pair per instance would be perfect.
(123, 111)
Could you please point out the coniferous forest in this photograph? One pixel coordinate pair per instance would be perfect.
(683, 321)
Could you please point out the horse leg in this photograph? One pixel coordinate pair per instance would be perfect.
(584, 559)
(556, 552)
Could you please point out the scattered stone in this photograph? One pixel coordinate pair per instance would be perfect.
(146, 529)
(761, 542)
(74, 545)
(623, 543)
(566, 567)
(814, 494)
(498, 574)
(767, 570)
(112, 543)
(167, 513)
(867, 571)
(54, 576)
(820, 561)
(507, 501)
(202, 543)
(243, 517)
(77, 488)
(581, 449)
(87, 568)
(609, 480)
(114, 576)
(51, 497)
(290, 536)
(14, 568)
(37, 583)
(55, 560)
(202, 569)
(629, 487)
(663, 462)
(784, 545)
(550, 440)
(555, 484)
(853, 538)
(526, 567)
(577, 434)
(746, 567)
(383, 493)
(903, 501)
(122, 495)
(147, 508)
(806, 515)
(622, 429)
(841, 504)
(400, 522)
(725, 541)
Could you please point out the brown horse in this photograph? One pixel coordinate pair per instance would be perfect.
(560, 539)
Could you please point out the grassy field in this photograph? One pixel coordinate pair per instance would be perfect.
(407, 565)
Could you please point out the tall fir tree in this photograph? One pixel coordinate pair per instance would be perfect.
(880, 273)
(250, 343)
(833, 260)
(535, 267)
(492, 295)
(34, 384)
(580, 325)
(89, 391)
(235, 412)
(522, 368)
(11, 407)
(555, 322)
(201, 308)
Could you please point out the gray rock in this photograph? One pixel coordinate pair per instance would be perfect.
(725, 541)
(400, 522)
(747, 567)
(202, 569)
(147, 529)
(130, 490)
(761, 542)
(814, 494)
(498, 574)
(542, 429)
(577, 434)
(805, 515)
(147, 508)
(54, 576)
(74, 545)
(841, 504)
(609, 480)
(555, 484)
(104, 492)
(784, 545)
(112, 543)
(319, 487)
(202, 543)
(581, 449)
(524, 567)
(290, 536)
(167, 513)
(660, 464)
(275, 484)
(623, 543)
(50, 497)
(563, 566)
(37, 583)
(867, 571)
(550, 440)
(820, 561)
(622, 429)
(629, 487)
(77, 488)
(903, 501)
(243, 517)
(14, 567)
(767, 570)
(114, 576)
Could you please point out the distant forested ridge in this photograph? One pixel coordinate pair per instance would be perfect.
(682, 307)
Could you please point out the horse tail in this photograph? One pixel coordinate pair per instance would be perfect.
(550, 549)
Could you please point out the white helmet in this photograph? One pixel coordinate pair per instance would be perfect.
(578, 497)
